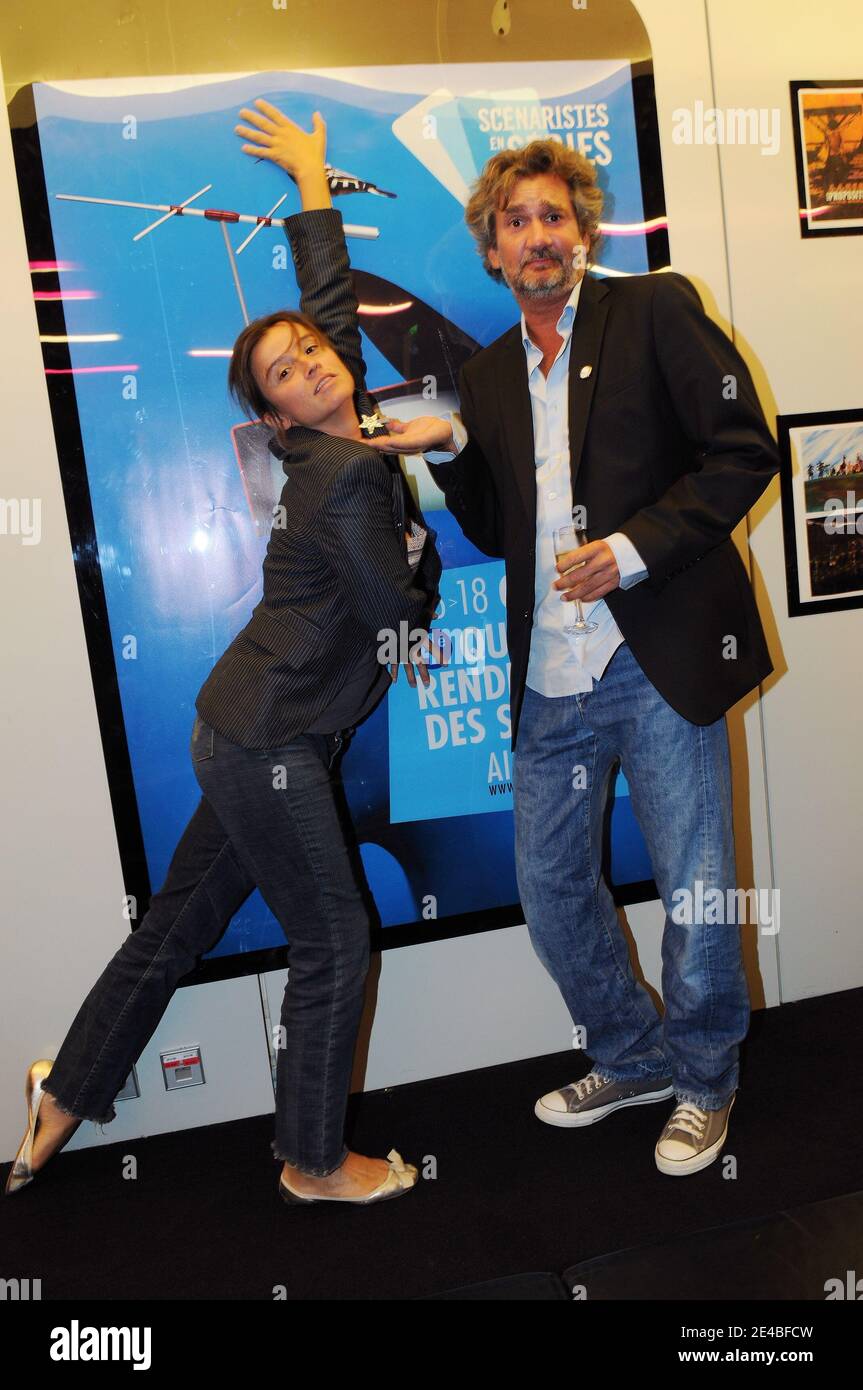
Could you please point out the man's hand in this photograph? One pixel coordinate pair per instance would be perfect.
(300, 153)
(415, 436)
(588, 573)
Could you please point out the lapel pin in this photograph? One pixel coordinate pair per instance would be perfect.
(370, 423)
(585, 373)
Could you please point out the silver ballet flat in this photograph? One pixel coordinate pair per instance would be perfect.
(21, 1172)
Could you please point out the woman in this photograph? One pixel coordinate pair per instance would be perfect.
(273, 718)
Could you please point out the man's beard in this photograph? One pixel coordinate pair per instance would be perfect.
(548, 287)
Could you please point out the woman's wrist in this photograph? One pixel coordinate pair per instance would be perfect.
(314, 188)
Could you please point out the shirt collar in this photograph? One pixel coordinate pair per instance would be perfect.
(564, 323)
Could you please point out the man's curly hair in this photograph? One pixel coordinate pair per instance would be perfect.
(493, 191)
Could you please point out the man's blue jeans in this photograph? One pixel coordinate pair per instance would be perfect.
(680, 788)
(269, 818)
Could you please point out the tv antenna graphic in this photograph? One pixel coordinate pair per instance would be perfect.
(337, 180)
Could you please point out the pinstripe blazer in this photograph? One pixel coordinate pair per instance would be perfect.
(336, 572)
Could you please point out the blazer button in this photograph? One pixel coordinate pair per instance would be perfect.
(525, 614)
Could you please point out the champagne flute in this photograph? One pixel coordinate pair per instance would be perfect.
(571, 538)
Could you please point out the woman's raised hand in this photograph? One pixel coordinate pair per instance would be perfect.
(281, 140)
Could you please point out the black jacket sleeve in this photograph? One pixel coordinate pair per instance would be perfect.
(468, 486)
(718, 409)
(319, 249)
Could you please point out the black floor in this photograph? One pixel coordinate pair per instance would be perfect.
(203, 1219)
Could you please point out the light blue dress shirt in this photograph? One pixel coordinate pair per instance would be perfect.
(559, 663)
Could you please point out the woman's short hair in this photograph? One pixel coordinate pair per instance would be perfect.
(493, 190)
(241, 381)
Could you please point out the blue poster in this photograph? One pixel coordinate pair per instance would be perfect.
(449, 742)
(167, 239)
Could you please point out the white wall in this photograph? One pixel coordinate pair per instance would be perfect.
(800, 301)
(473, 1001)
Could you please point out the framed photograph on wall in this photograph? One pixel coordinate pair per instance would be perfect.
(828, 145)
(822, 510)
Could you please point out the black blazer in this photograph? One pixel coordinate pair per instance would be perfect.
(669, 445)
(337, 572)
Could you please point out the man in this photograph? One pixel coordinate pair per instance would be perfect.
(621, 399)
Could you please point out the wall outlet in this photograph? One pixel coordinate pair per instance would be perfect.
(182, 1068)
(131, 1090)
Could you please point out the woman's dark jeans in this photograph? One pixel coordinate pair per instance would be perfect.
(269, 819)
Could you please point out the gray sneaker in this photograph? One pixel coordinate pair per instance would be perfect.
(592, 1098)
(692, 1139)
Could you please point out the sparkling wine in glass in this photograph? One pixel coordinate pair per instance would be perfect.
(568, 538)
